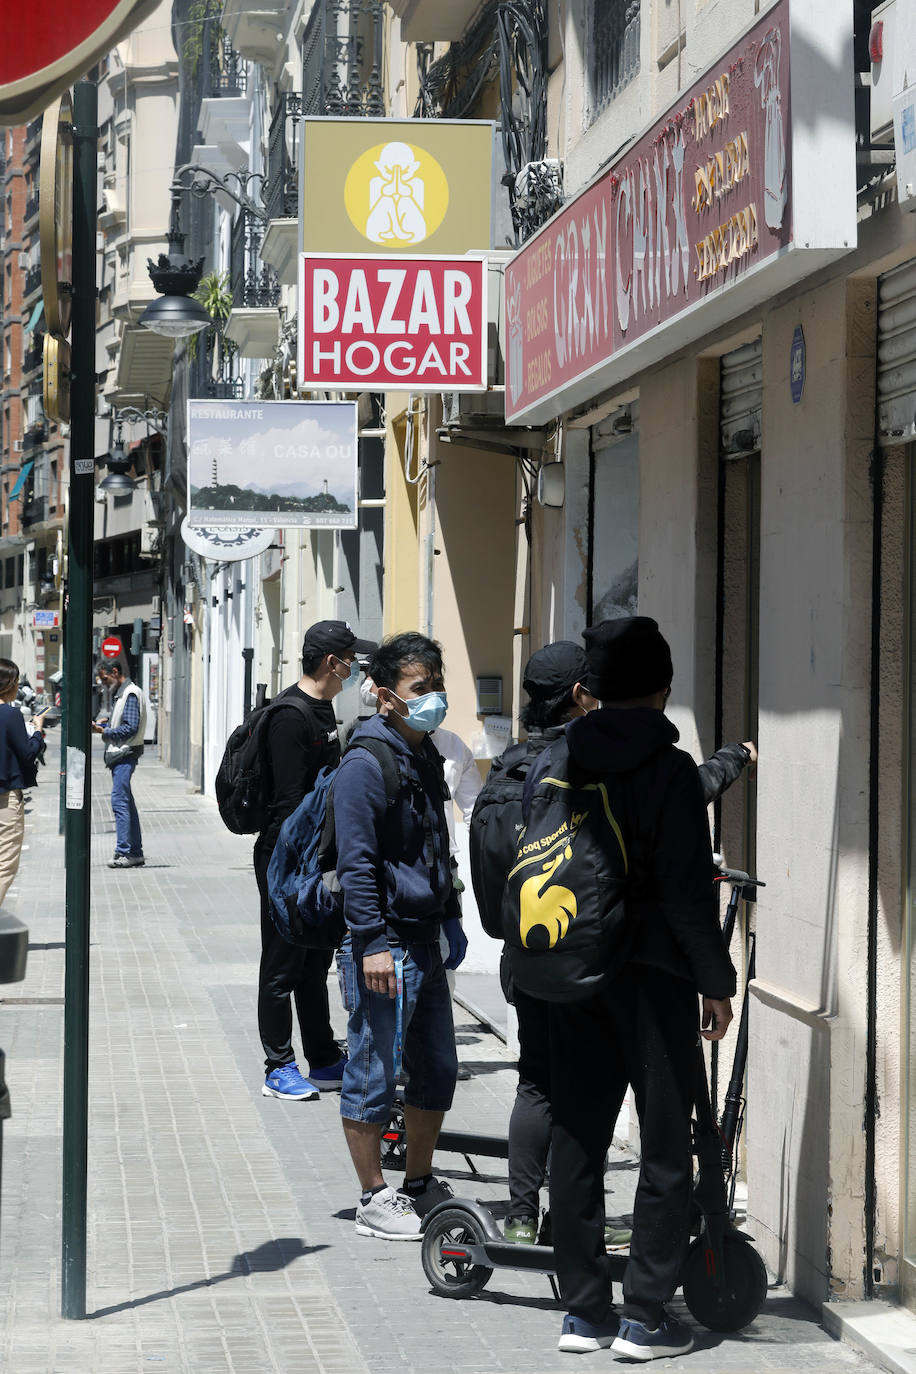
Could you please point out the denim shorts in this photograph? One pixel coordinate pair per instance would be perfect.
(430, 1058)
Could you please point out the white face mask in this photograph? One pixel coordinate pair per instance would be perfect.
(367, 693)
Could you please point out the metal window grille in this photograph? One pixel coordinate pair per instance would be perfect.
(613, 50)
(281, 191)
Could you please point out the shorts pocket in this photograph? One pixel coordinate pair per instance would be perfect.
(346, 980)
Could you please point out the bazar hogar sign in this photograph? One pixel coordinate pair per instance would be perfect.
(697, 207)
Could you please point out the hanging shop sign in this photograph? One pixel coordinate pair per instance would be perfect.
(413, 324)
(269, 464)
(396, 185)
(743, 188)
(45, 46)
(225, 544)
(45, 620)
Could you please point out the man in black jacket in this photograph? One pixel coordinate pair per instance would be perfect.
(642, 1027)
(300, 742)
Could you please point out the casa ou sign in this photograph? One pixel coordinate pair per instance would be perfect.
(729, 197)
(406, 323)
(46, 46)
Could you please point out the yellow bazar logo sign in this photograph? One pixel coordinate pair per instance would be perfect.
(396, 194)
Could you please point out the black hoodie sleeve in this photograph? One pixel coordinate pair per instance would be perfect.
(682, 871)
(719, 772)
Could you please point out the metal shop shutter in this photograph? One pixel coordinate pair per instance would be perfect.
(741, 399)
(897, 355)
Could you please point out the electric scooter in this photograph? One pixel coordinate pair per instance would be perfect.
(723, 1278)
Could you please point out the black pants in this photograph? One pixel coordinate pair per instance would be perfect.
(286, 970)
(529, 1124)
(642, 1029)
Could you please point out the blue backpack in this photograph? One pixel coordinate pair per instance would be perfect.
(306, 902)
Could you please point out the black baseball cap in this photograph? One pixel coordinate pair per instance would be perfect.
(628, 658)
(335, 637)
(554, 669)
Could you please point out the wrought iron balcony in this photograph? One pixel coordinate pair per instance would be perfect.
(34, 510)
(34, 356)
(32, 279)
(33, 130)
(342, 55)
(34, 436)
(254, 285)
(223, 71)
(613, 49)
(281, 190)
(207, 382)
(31, 208)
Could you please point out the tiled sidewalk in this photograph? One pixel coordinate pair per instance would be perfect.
(220, 1222)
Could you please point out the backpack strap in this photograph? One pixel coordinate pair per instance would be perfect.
(385, 758)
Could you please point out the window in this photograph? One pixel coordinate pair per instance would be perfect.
(9, 573)
(613, 50)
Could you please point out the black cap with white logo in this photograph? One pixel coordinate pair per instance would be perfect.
(335, 637)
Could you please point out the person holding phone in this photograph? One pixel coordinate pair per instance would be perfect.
(19, 755)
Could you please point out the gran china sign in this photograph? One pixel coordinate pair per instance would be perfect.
(396, 186)
(745, 187)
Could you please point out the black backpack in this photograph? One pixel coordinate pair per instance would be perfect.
(496, 824)
(243, 782)
(565, 920)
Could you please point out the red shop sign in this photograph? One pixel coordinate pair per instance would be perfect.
(398, 323)
(688, 216)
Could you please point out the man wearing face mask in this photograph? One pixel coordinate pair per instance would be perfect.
(394, 868)
(300, 742)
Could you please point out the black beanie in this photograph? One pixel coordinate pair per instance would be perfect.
(627, 658)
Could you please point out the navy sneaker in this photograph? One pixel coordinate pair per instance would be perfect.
(287, 1083)
(330, 1077)
(579, 1336)
(637, 1341)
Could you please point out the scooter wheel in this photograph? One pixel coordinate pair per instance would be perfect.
(450, 1276)
(394, 1140)
(734, 1304)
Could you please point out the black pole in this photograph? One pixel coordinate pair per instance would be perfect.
(77, 642)
(248, 656)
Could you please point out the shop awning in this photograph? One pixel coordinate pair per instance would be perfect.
(20, 480)
(35, 316)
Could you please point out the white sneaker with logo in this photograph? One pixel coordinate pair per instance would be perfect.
(388, 1215)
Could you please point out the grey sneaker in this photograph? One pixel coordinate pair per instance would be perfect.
(388, 1215)
(127, 861)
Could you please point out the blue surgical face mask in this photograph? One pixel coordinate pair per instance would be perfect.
(425, 713)
(352, 670)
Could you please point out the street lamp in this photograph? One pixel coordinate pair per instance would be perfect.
(118, 464)
(175, 313)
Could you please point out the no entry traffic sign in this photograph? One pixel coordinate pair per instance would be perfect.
(112, 647)
(46, 46)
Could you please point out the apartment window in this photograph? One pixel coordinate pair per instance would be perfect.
(613, 50)
(9, 573)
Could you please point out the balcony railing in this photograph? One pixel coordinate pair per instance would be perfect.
(31, 208)
(34, 437)
(33, 130)
(281, 190)
(34, 356)
(254, 284)
(34, 510)
(342, 57)
(613, 43)
(32, 280)
(223, 71)
(207, 382)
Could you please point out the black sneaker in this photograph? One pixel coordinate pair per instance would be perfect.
(436, 1191)
(636, 1341)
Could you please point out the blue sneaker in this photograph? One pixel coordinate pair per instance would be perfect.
(579, 1336)
(640, 1342)
(331, 1077)
(287, 1083)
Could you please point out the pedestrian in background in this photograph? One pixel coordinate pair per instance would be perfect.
(19, 755)
(302, 738)
(123, 734)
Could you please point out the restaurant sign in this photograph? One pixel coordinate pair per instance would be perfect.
(743, 188)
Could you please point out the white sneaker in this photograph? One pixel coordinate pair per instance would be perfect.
(389, 1216)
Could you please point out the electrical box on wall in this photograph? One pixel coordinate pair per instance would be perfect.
(551, 484)
(905, 146)
(489, 696)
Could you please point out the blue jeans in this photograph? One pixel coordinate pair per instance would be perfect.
(127, 822)
(430, 1057)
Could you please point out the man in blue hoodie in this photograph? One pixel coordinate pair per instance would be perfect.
(394, 868)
